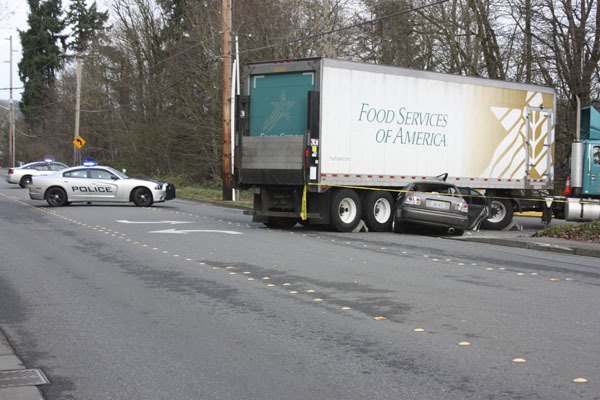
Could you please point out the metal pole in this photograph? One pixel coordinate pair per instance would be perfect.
(11, 114)
(227, 178)
(232, 119)
(77, 111)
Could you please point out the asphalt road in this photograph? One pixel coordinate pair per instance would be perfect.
(192, 301)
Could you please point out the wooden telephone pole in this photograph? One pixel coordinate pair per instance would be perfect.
(227, 169)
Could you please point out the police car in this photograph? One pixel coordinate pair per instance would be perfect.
(22, 175)
(93, 183)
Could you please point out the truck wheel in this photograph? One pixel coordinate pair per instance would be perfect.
(378, 209)
(345, 210)
(280, 222)
(25, 181)
(501, 211)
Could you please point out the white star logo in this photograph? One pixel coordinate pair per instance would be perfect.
(281, 109)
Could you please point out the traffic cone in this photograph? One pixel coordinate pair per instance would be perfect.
(567, 191)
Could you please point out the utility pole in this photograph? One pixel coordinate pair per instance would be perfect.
(77, 110)
(11, 114)
(226, 24)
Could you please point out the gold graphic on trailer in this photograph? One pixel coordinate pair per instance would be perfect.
(510, 157)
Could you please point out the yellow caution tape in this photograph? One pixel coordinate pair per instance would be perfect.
(303, 212)
(554, 200)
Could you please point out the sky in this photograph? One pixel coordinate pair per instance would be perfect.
(16, 19)
(15, 13)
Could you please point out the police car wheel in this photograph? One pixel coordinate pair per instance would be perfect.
(142, 197)
(25, 181)
(56, 197)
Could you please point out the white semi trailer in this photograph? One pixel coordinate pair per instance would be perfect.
(323, 141)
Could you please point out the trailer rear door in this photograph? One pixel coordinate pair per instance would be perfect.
(279, 103)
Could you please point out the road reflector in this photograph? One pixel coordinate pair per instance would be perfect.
(419, 330)
(520, 274)
(580, 380)
(318, 300)
(380, 318)
(519, 360)
(286, 284)
(266, 278)
(270, 285)
(464, 344)
(293, 292)
(247, 272)
(310, 291)
(346, 308)
(569, 279)
(250, 279)
(554, 279)
(489, 269)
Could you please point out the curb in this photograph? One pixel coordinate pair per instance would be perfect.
(10, 362)
(533, 245)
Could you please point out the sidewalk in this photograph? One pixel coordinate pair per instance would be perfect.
(523, 238)
(13, 373)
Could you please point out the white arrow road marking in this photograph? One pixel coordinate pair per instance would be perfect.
(185, 232)
(124, 221)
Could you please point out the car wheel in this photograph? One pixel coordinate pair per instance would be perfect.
(56, 197)
(501, 214)
(25, 181)
(142, 197)
(281, 222)
(399, 227)
(345, 210)
(459, 232)
(378, 209)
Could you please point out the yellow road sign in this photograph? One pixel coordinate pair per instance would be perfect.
(79, 142)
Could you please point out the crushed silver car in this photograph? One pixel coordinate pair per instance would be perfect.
(439, 204)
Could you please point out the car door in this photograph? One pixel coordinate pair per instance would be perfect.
(478, 206)
(75, 183)
(102, 185)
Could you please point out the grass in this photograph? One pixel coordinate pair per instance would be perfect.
(213, 195)
(585, 232)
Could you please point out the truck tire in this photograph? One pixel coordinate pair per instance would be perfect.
(501, 211)
(345, 210)
(280, 222)
(378, 210)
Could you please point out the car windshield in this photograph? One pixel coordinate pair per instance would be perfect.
(120, 174)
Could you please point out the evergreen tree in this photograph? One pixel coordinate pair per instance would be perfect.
(43, 47)
(86, 23)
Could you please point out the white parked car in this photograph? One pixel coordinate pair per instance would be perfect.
(92, 184)
(23, 174)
